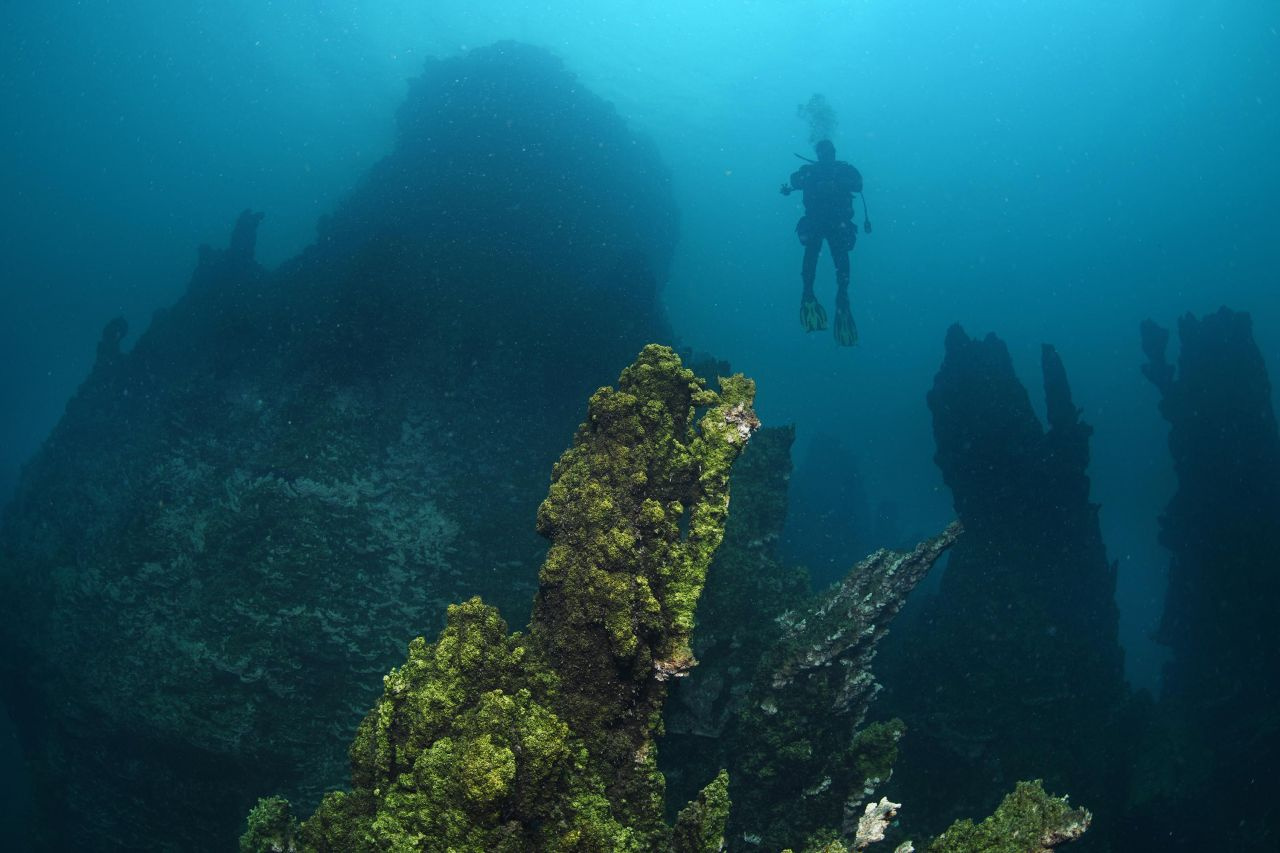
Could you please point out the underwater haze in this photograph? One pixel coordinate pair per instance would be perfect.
(1051, 172)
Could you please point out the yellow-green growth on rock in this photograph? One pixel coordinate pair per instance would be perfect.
(489, 741)
(700, 825)
(1026, 821)
(635, 511)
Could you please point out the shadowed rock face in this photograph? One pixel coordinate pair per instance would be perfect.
(1220, 692)
(800, 728)
(1012, 670)
(240, 522)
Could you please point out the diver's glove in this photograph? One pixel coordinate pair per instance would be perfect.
(812, 317)
(845, 330)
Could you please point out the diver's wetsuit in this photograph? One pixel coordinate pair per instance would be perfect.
(828, 215)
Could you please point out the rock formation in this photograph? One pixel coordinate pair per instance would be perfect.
(748, 587)
(1013, 669)
(1216, 725)
(803, 760)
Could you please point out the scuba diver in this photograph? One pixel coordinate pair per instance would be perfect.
(829, 186)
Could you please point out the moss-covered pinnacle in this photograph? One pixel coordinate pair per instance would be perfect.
(635, 511)
(497, 742)
(700, 825)
(271, 826)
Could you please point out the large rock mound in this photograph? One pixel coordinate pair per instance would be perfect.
(239, 523)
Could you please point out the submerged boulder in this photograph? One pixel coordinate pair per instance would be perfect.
(239, 522)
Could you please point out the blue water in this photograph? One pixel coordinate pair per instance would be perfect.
(1051, 171)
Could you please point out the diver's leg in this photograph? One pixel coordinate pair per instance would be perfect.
(845, 331)
(812, 315)
(809, 267)
(841, 259)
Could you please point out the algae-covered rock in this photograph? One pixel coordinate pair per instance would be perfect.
(1026, 821)
(700, 825)
(784, 679)
(490, 741)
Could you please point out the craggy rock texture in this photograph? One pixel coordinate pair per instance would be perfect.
(489, 741)
(1027, 821)
(1218, 729)
(801, 760)
(1013, 669)
(615, 609)
(485, 741)
(240, 522)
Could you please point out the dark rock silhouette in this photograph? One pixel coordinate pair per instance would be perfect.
(244, 239)
(240, 522)
(1012, 669)
(1215, 730)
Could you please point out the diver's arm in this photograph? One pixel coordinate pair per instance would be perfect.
(796, 182)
